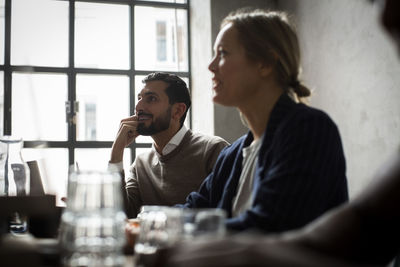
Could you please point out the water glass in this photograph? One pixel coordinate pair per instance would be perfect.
(160, 227)
(203, 223)
(92, 225)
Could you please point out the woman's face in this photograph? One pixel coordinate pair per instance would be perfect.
(235, 77)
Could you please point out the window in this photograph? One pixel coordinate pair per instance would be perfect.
(90, 120)
(70, 72)
(161, 41)
(161, 35)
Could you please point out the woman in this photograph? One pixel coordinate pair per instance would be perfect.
(290, 167)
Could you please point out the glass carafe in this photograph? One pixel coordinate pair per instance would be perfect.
(14, 177)
(92, 224)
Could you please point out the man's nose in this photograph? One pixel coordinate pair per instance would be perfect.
(138, 107)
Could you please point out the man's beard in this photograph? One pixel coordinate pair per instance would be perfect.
(158, 125)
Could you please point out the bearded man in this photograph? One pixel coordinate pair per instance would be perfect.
(179, 159)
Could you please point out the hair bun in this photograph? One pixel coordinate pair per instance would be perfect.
(300, 89)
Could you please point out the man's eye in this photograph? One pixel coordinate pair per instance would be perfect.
(221, 52)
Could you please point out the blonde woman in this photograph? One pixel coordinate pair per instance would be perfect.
(290, 167)
(364, 232)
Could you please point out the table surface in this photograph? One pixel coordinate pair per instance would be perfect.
(27, 250)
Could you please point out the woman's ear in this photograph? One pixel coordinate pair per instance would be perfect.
(265, 70)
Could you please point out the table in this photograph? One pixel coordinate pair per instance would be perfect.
(28, 251)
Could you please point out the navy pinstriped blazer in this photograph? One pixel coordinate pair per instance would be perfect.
(300, 172)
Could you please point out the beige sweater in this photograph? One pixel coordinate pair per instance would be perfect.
(167, 180)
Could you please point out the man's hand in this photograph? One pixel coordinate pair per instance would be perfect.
(126, 134)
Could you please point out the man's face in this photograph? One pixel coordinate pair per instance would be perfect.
(153, 109)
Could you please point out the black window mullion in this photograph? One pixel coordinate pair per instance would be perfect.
(7, 70)
(189, 58)
(132, 97)
(71, 85)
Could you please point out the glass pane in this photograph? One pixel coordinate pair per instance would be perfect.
(2, 15)
(138, 87)
(38, 106)
(1, 102)
(169, 1)
(102, 36)
(103, 103)
(53, 167)
(39, 33)
(161, 39)
(97, 158)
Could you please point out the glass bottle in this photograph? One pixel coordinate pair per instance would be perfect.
(14, 177)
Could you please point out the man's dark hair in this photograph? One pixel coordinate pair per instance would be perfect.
(176, 91)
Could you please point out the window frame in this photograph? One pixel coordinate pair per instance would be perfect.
(71, 71)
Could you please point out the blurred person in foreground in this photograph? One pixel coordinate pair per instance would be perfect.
(364, 232)
(179, 159)
(290, 167)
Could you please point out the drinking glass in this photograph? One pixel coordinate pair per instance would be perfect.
(203, 223)
(92, 225)
(160, 227)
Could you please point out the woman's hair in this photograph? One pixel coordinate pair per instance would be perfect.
(270, 38)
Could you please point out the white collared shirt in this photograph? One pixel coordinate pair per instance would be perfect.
(169, 147)
(173, 143)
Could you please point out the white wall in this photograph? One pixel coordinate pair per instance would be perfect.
(201, 52)
(206, 16)
(355, 73)
(348, 61)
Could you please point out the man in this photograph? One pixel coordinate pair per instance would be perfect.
(364, 232)
(179, 159)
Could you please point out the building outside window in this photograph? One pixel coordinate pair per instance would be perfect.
(161, 41)
(70, 70)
